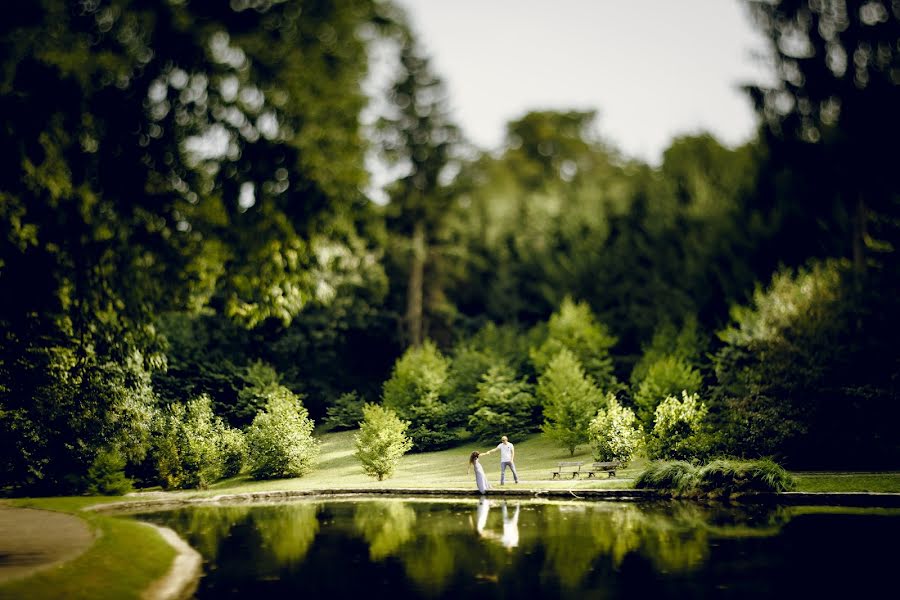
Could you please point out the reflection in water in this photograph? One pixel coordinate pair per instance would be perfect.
(385, 525)
(491, 548)
(287, 531)
(510, 537)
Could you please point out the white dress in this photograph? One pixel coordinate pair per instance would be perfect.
(480, 478)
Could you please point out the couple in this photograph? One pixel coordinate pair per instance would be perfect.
(507, 459)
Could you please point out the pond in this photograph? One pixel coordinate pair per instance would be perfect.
(491, 548)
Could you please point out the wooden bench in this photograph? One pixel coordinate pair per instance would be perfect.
(609, 468)
(573, 467)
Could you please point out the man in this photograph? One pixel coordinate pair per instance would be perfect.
(507, 458)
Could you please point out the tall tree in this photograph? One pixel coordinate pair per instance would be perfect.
(418, 137)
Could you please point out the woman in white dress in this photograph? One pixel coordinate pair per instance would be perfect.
(480, 478)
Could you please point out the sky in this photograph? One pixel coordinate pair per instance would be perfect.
(653, 69)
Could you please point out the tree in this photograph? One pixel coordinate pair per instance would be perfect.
(668, 376)
(504, 405)
(614, 433)
(280, 441)
(381, 441)
(416, 391)
(679, 429)
(570, 400)
(831, 112)
(575, 328)
(418, 136)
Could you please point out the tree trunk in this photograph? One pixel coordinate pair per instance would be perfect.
(414, 292)
(859, 239)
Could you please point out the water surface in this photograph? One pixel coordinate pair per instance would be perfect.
(528, 549)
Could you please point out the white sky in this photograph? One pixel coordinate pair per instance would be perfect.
(653, 69)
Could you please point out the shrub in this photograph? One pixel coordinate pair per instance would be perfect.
(678, 430)
(106, 476)
(575, 328)
(280, 441)
(729, 477)
(570, 401)
(260, 381)
(504, 405)
(234, 451)
(613, 433)
(666, 377)
(345, 413)
(415, 391)
(188, 448)
(719, 478)
(673, 476)
(381, 441)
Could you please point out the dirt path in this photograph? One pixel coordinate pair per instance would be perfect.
(32, 540)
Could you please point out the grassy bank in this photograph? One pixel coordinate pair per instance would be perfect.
(125, 558)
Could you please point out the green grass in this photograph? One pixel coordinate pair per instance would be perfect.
(536, 457)
(124, 559)
(839, 481)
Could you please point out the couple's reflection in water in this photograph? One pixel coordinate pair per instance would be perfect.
(509, 539)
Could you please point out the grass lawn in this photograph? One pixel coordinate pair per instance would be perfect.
(124, 559)
(839, 481)
(536, 457)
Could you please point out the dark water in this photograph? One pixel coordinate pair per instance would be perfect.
(496, 549)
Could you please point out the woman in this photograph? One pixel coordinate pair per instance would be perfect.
(480, 478)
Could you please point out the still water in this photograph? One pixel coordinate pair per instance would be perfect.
(528, 549)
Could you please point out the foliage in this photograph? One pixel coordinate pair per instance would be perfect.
(280, 441)
(416, 391)
(679, 429)
(191, 445)
(107, 475)
(260, 382)
(570, 400)
(675, 476)
(575, 328)
(719, 478)
(504, 405)
(233, 446)
(345, 413)
(381, 441)
(614, 433)
(666, 377)
(686, 344)
(467, 368)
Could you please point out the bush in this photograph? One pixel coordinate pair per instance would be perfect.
(381, 441)
(415, 391)
(719, 478)
(504, 405)
(188, 448)
(106, 476)
(234, 451)
(673, 476)
(613, 433)
(280, 441)
(570, 401)
(575, 328)
(729, 477)
(679, 431)
(345, 413)
(666, 377)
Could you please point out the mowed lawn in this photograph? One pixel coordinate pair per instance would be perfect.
(536, 457)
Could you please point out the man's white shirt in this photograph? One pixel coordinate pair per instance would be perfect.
(506, 451)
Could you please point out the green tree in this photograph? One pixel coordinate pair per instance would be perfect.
(280, 441)
(415, 391)
(505, 405)
(570, 400)
(614, 433)
(381, 441)
(666, 377)
(679, 429)
(575, 328)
